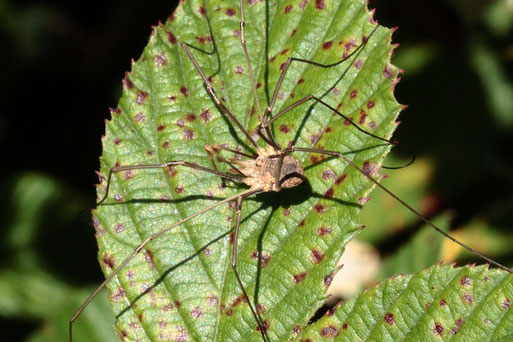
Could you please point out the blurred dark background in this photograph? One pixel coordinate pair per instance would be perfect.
(62, 65)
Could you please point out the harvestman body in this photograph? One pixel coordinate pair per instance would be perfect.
(272, 169)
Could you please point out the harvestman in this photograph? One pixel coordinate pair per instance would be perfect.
(271, 170)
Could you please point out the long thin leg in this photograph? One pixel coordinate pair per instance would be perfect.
(394, 196)
(223, 148)
(277, 172)
(294, 59)
(216, 99)
(161, 166)
(268, 135)
(211, 151)
(234, 267)
(142, 245)
(312, 97)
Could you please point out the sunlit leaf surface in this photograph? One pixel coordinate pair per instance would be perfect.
(181, 287)
(440, 303)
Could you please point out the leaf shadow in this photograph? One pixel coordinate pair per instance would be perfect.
(169, 270)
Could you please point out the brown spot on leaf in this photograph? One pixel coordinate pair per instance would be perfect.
(184, 91)
(506, 304)
(161, 127)
(327, 174)
(363, 116)
(265, 326)
(212, 300)
(165, 144)
(371, 104)
(264, 258)
(327, 45)
(188, 134)
(287, 9)
(139, 117)
(238, 300)
(319, 4)
(109, 261)
(171, 38)
(330, 331)
(190, 117)
(328, 279)
(467, 297)
(299, 277)
(261, 308)
(329, 193)
(387, 72)
(344, 326)
(363, 200)
(465, 281)
(179, 189)
(438, 329)
(316, 255)
(127, 82)
(148, 257)
(389, 318)
(286, 212)
(119, 228)
(340, 179)
(353, 93)
(320, 208)
(296, 330)
(230, 12)
(323, 231)
(196, 312)
(284, 129)
(160, 60)
(141, 97)
(205, 115)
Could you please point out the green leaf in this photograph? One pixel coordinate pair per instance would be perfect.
(182, 285)
(440, 303)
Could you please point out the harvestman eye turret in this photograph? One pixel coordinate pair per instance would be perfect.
(271, 169)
